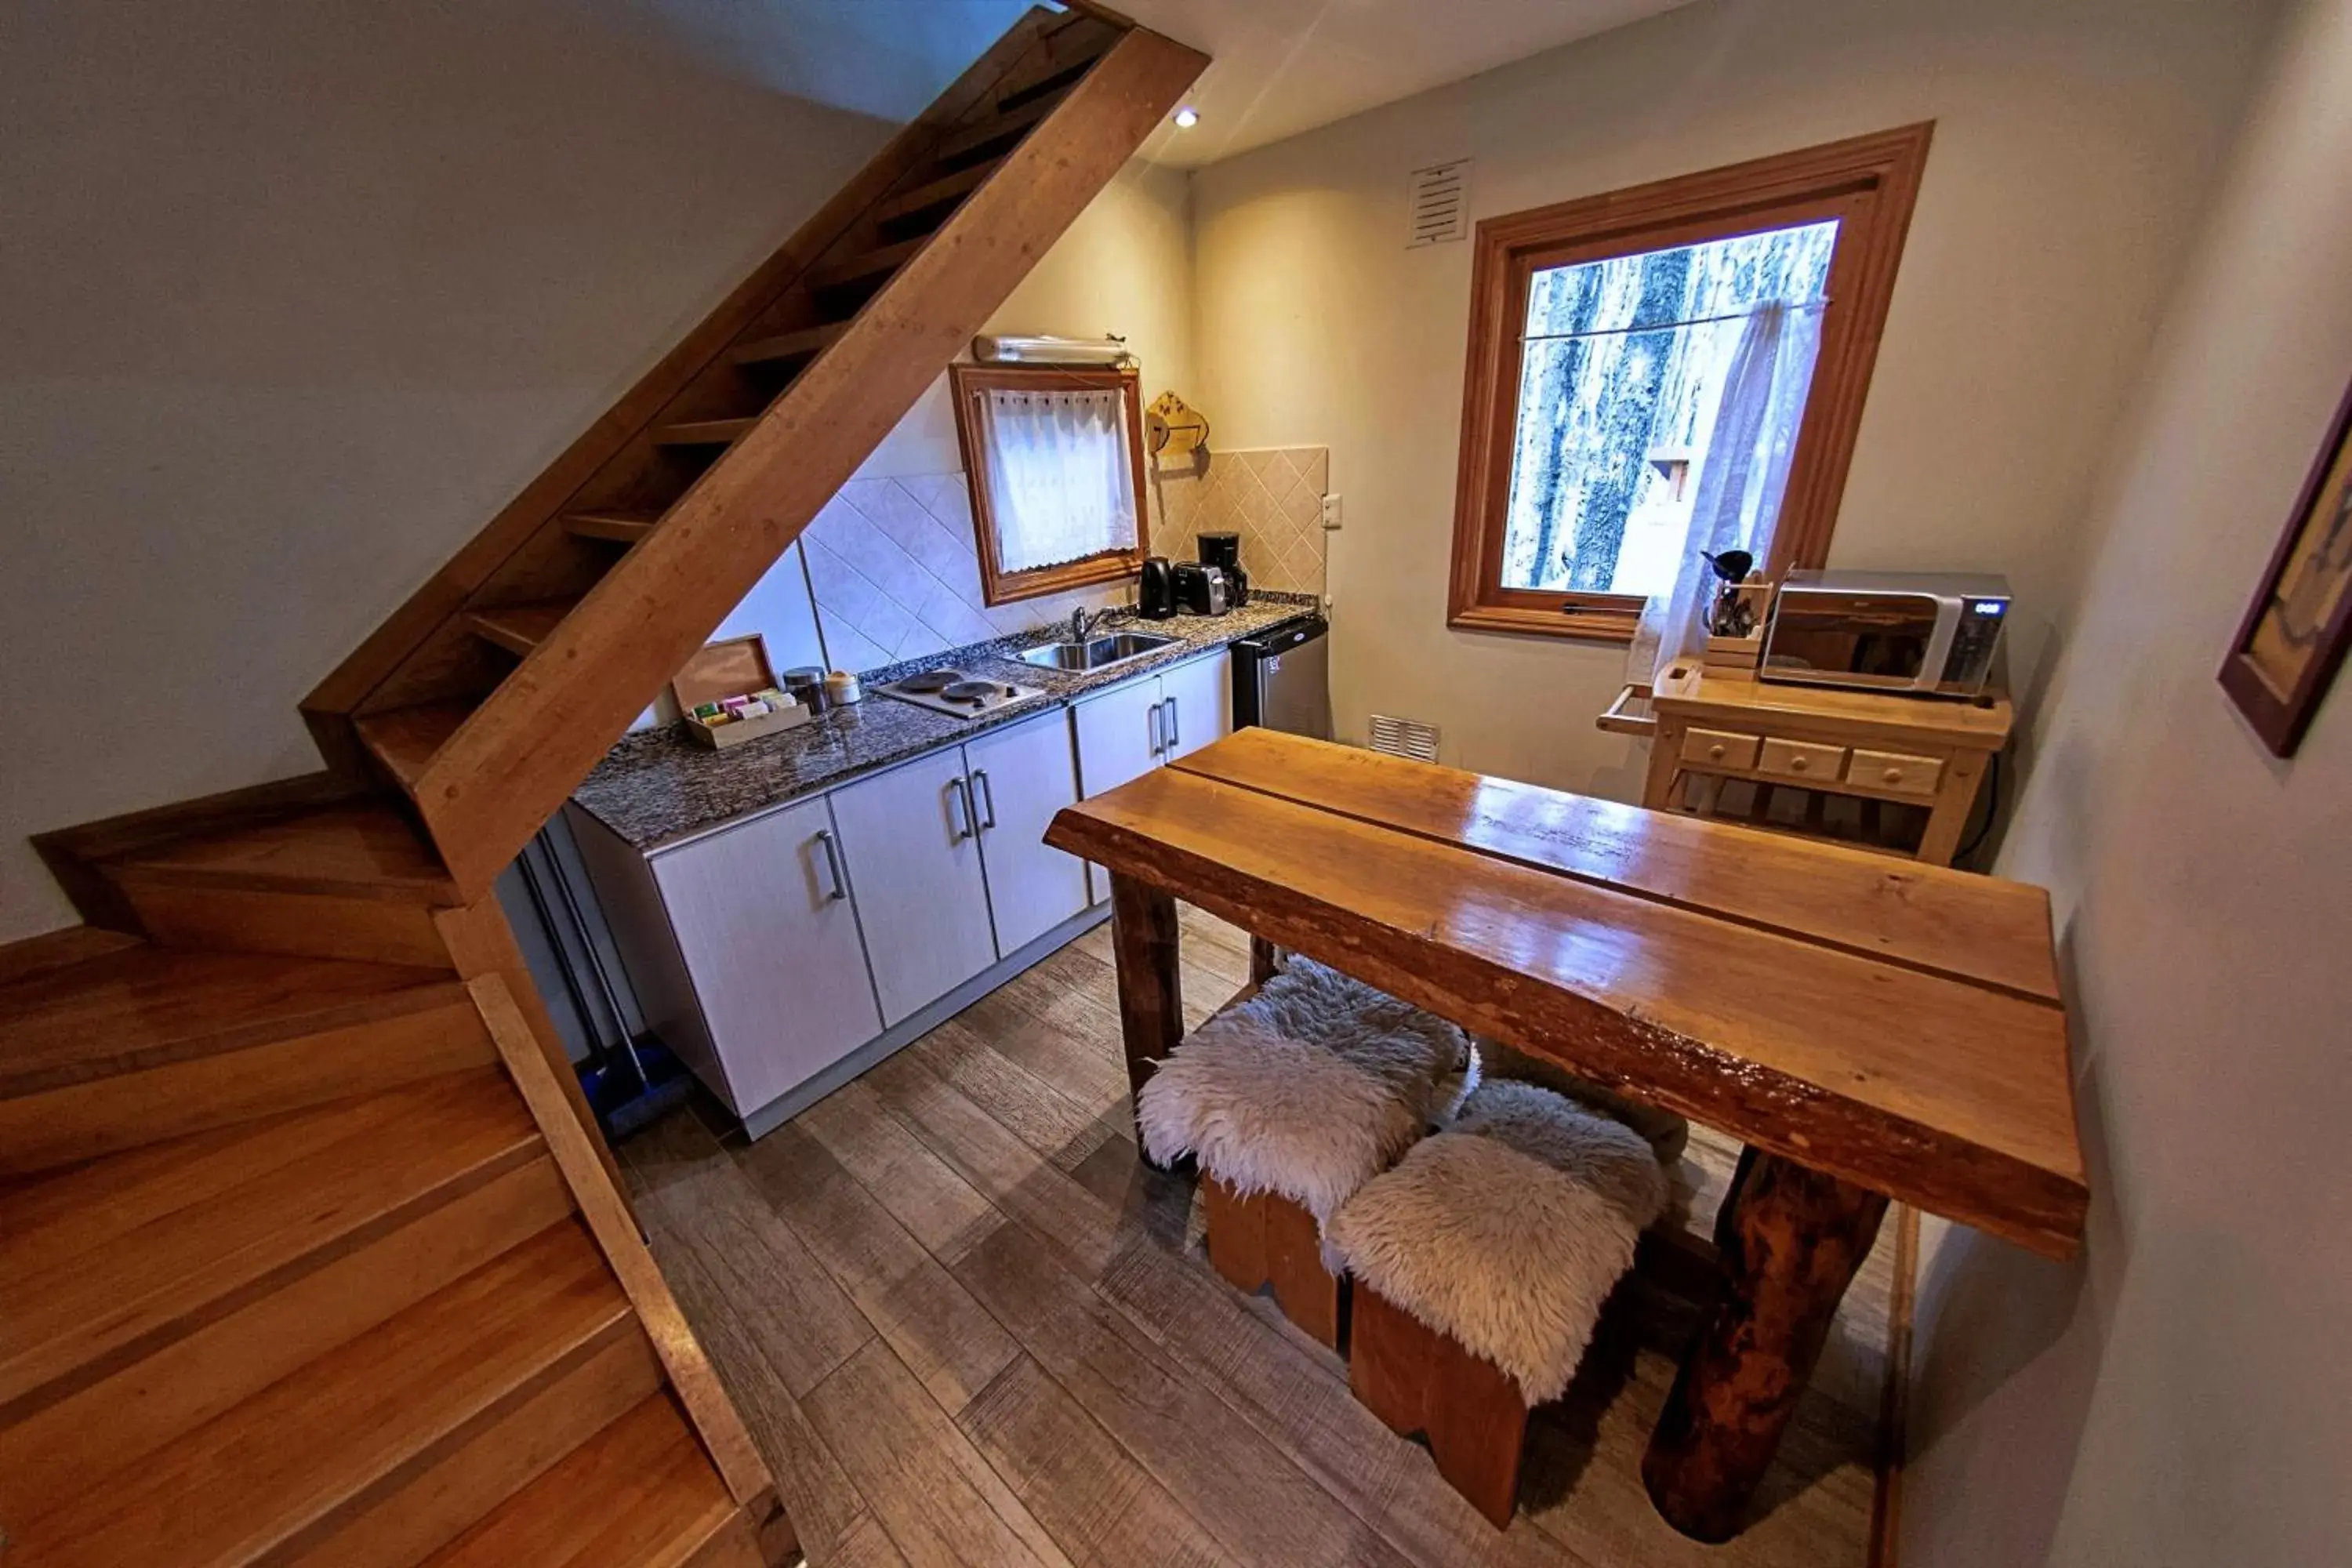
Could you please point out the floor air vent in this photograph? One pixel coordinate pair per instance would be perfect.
(1405, 738)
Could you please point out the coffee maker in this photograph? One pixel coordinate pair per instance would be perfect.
(1224, 551)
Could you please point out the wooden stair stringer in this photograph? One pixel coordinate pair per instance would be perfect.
(512, 763)
(709, 1409)
(356, 686)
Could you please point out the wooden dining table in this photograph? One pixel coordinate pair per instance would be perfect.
(1870, 1028)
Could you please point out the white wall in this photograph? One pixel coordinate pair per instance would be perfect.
(2076, 142)
(293, 297)
(1123, 267)
(2183, 1395)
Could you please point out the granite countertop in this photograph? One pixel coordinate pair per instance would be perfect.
(655, 787)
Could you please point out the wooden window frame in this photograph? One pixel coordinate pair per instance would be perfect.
(1870, 183)
(967, 382)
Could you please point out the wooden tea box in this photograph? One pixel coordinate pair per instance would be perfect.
(721, 674)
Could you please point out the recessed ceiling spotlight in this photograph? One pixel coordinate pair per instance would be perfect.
(1187, 117)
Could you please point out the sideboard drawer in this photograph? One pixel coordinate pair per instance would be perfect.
(1893, 770)
(1802, 760)
(1719, 749)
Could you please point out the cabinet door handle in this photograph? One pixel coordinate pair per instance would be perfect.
(987, 797)
(833, 865)
(961, 789)
(1175, 729)
(1151, 726)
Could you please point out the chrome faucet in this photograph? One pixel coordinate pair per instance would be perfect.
(1084, 621)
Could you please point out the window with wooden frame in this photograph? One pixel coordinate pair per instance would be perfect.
(1605, 336)
(1054, 459)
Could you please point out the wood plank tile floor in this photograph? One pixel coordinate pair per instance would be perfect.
(967, 1326)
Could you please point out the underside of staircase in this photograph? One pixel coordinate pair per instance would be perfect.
(488, 696)
(309, 1250)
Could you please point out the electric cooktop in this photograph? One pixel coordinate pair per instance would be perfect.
(946, 690)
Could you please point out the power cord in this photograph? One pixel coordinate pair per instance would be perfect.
(1992, 809)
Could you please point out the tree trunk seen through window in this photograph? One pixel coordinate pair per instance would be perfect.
(1624, 359)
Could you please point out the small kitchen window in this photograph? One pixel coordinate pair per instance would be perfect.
(1685, 360)
(1054, 459)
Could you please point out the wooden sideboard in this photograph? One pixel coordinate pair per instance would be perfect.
(1875, 770)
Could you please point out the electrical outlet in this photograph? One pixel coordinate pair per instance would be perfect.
(1330, 514)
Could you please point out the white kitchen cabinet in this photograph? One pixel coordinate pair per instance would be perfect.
(1118, 735)
(1020, 776)
(1137, 725)
(912, 842)
(1196, 704)
(762, 920)
(1127, 731)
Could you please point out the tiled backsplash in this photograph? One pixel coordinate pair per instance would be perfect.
(1272, 497)
(897, 574)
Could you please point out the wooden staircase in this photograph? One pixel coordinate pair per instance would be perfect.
(490, 695)
(310, 1254)
(309, 1250)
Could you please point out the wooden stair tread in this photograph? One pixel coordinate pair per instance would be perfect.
(358, 851)
(143, 1007)
(961, 143)
(703, 432)
(277, 1471)
(621, 527)
(937, 192)
(637, 1492)
(1056, 68)
(789, 345)
(865, 264)
(110, 1259)
(519, 628)
(404, 738)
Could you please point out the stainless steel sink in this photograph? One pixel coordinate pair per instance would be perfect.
(1094, 653)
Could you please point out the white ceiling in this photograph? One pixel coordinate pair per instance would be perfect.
(1281, 66)
(887, 58)
(1277, 67)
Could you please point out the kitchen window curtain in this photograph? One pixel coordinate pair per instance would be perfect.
(1061, 485)
(1742, 479)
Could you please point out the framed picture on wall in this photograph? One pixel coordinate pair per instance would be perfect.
(2295, 631)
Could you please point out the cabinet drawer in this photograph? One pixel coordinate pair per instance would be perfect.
(1719, 749)
(1893, 770)
(1802, 760)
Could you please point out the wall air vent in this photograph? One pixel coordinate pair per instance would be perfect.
(1405, 738)
(1438, 203)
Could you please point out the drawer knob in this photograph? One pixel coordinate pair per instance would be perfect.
(1795, 764)
(1893, 775)
(1715, 752)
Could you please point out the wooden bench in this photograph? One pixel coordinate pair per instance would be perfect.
(1870, 1027)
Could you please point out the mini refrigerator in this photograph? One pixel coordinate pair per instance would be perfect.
(1282, 677)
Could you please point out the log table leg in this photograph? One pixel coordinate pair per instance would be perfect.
(1791, 1240)
(1150, 993)
(1263, 965)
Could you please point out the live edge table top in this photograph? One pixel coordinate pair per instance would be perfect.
(1897, 1025)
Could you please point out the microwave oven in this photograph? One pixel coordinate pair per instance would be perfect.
(1930, 633)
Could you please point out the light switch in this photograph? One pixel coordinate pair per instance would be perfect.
(1330, 514)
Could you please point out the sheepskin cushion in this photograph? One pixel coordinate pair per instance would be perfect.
(1508, 1230)
(1668, 1133)
(1308, 1090)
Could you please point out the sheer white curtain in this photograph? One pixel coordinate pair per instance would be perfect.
(1741, 480)
(1061, 485)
